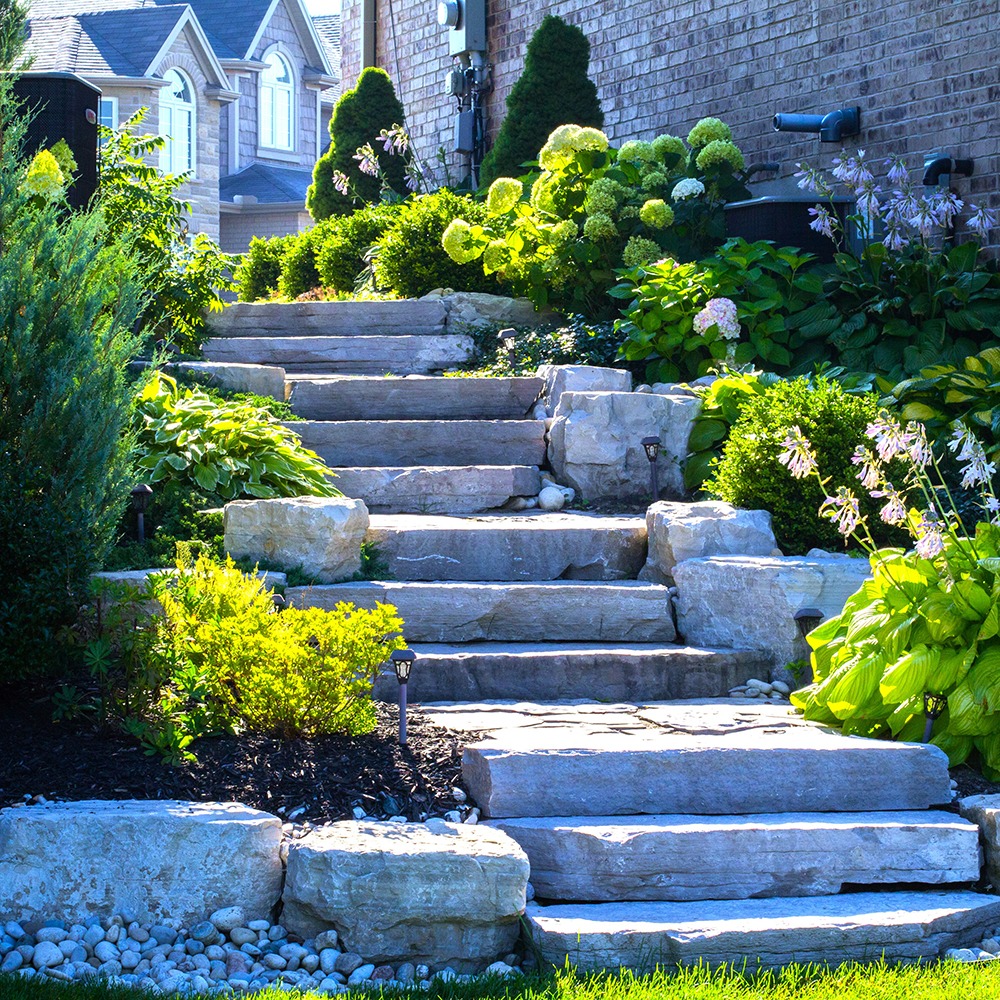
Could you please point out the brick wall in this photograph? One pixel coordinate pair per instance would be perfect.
(237, 227)
(922, 71)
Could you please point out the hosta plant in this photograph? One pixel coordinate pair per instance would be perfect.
(915, 654)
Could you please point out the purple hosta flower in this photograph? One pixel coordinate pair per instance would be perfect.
(899, 209)
(414, 175)
(930, 541)
(797, 454)
(868, 203)
(843, 510)
(811, 179)
(898, 174)
(889, 437)
(823, 222)
(367, 160)
(894, 509)
(924, 219)
(963, 443)
(341, 182)
(853, 171)
(981, 221)
(869, 474)
(978, 472)
(918, 448)
(946, 206)
(720, 313)
(993, 507)
(895, 238)
(395, 139)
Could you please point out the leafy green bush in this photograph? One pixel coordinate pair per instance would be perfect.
(552, 90)
(410, 258)
(749, 474)
(360, 114)
(343, 252)
(259, 272)
(69, 306)
(234, 450)
(299, 270)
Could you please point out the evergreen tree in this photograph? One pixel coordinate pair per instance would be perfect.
(553, 90)
(358, 117)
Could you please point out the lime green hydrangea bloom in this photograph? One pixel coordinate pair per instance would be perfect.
(605, 186)
(592, 139)
(635, 150)
(719, 152)
(542, 192)
(458, 242)
(709, 130)
(600, 199)
(653, 180)
(669, 145)
(639, 251)
(565, 232)
(44, 179)
(657, 214)
(628, 212)
(503, 195)
(496, 256)
(599, 227)
(568, 140)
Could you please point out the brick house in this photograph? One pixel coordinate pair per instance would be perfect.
(241, 95)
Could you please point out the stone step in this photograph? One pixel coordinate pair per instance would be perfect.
(714, 759)
(372, 318)
(542, 546)
(616, 859)
(394, 443)
(762, 933)
(358, 355)
(491, 670)
(413, 398)
(544, 611)
(441, 489)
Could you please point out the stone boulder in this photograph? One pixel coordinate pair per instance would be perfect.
(595, 442)
(749, 602)
(442, 894)
(679, 531)
(469, 311)
(156, 859)
(322, 535)
(580, 378)
(984, 811)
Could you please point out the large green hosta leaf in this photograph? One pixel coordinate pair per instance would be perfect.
(907, 677)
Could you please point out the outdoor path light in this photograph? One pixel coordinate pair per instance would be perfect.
(934, 705)
(508, 338)
(402, 663)
(652, 447)
(807, 619)
(140, 501)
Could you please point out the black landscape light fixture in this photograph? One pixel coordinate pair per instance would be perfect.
(508, 338)
(934, 705)
(279, 602)
(140, 501)
(651, 445)
(807, 619)
(402, 663)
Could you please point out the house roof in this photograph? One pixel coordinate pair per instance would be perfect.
(328, 29)
(269, 185)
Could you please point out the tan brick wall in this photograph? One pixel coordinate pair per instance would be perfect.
(237, 228)
(924, 72)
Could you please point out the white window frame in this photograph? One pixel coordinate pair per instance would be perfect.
(111, 119)
(270, 92)
(178, 114)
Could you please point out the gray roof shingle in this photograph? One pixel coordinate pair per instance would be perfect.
(269, 185)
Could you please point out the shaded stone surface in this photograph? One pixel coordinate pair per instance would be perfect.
(447, 895)
(581, 378)
(984, 811)
(346, 318)
(158, 859)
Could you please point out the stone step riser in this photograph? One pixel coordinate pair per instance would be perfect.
(425, 442)
(685, 858)
(293, 319)
(414, 398)
(457, 490)
(762, 933)
(549, 547)
(514, 612)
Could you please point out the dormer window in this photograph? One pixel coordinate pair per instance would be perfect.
(277, 94)
(177, 123)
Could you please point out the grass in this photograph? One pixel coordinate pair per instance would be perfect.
(878, 981)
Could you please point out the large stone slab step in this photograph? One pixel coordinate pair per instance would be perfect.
(424, 442)
(762, 933)
(438, 489)
(616, 859)
(358, 318)
(542, 546)
(413, 398)
(541, 612)
(492, 670)
(401, 355)
(709, 759)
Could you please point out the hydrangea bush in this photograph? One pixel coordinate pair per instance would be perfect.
(593, 209)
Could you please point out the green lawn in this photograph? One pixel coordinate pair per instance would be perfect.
(870, 982)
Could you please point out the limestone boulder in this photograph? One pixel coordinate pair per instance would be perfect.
(680, 531)
(984, 811)
(749, 602)
(156, 859)
(595, 442)
(264, 380)
(478, 310)
(580, 378)
(322, 535)
(437, 893)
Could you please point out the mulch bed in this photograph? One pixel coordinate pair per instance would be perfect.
(329, 775)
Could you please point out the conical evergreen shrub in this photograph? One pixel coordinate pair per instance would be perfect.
(553, 90)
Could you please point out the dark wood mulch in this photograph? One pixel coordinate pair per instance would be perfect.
(329, 775)
(970, 782)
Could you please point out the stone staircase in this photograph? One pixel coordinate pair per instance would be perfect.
(659, 830)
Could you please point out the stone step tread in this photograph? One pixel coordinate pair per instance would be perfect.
(568, 521)
(371, 317)
(714, 758)
(765, 933)
(684, 857)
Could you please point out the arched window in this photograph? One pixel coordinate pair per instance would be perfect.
(277, 97)
(177, 123)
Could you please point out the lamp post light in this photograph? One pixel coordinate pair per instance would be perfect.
(402, 663)
(807, 619)
(140, 501)
(934, 705)
(652, 448)
(508, 338)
